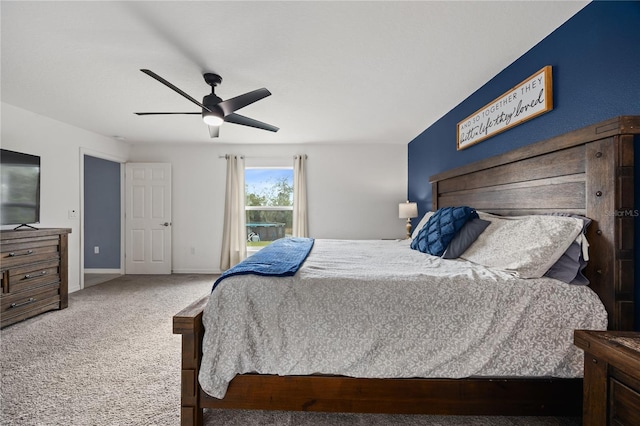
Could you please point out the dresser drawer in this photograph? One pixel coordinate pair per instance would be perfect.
(29, 254)
(28, 311)
(32, 275)
(23, 305)
(32, 295)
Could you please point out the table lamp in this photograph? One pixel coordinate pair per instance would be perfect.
(408, 211)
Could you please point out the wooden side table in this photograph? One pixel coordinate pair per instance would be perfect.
(611, 377)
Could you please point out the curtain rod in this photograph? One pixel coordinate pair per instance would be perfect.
(244, 156)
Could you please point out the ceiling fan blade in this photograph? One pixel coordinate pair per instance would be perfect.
(172, 87)
(166, 113)
(214, 131)
(246, 121)
(231, 105)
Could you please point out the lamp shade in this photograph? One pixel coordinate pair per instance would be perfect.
(407, 210)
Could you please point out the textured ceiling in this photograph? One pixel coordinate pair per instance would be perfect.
(340, 72)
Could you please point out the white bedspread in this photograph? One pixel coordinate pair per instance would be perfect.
(380, 309)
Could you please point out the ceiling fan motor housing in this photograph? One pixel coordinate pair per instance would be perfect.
(211, 101)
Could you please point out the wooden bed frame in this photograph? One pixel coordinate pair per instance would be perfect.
(589, 171)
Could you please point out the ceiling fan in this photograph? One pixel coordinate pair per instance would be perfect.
(215, 111)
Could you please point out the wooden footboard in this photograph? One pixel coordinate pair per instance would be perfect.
(188, 322)
(339, 394)
(475, 396)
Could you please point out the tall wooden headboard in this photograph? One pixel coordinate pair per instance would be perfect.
(590, 172)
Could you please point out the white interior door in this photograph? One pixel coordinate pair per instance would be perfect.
(148, 218)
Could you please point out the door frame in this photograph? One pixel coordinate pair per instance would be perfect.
(115, 159)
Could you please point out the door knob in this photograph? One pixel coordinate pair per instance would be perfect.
(165, 224)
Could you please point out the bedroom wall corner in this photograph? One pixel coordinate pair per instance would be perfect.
(59, 146)
(595, 78)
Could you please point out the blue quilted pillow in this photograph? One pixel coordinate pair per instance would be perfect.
(437, 233)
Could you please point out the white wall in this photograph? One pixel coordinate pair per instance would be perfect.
(58, 144)
(353, 192)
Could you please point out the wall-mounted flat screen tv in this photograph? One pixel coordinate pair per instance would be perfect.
(19, 188)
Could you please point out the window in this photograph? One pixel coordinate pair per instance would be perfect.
(268, 205)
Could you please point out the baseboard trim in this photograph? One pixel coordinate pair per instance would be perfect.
(196, 271)
(103, 271)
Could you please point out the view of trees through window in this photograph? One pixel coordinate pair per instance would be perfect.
(268, 205)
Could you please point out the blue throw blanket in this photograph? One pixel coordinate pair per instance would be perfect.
(281, 258)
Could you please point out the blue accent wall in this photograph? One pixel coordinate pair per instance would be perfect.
(595, 57)
(101, 213)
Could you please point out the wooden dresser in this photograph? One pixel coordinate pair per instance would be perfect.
(611, 377)
(34, 265)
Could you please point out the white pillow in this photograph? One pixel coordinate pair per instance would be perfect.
(526, 246)
(422, 222)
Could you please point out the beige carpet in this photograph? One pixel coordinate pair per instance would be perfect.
(111, 359)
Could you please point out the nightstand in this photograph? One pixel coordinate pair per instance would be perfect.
(611, 394)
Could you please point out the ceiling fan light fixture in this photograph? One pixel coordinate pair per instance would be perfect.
(212, 119)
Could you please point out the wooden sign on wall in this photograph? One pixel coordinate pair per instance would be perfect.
(527, 100)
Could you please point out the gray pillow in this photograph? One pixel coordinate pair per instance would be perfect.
(569, 267)
(525, 246)
(465, 237)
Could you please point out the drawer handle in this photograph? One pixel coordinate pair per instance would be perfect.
(14, 254)
(16, 305)
(39, 274)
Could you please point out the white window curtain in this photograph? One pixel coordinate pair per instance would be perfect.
(300, 225)
(234, 234)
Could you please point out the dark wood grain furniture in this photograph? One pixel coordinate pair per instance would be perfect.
(611, 377)
(589, 171)
(34, 273)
